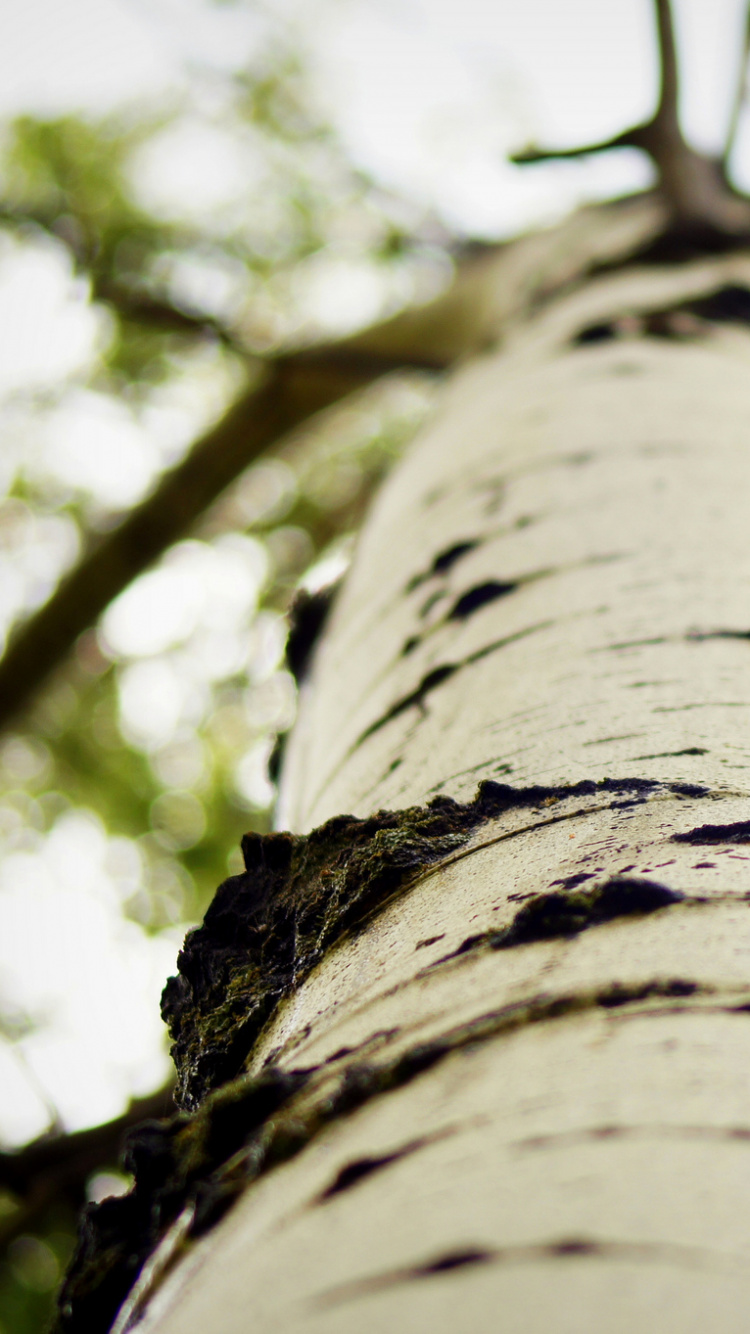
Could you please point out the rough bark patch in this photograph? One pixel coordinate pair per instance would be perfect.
(196, 1166)
(266, 929)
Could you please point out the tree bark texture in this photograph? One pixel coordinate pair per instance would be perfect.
(518, 1084)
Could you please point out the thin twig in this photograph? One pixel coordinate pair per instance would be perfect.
(702, 203)
(669, 88)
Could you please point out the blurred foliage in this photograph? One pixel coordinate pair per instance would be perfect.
(162, 738)
(30, 1271)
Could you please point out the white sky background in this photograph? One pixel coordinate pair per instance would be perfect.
(428, 95)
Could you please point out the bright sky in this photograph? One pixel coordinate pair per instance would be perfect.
(428, 96)
(428, 93)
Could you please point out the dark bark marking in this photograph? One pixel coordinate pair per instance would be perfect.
(416, 698)
(473, 600)
(443, 562)
(633, 643)
(480, 596)
(361, 1168)
(690, 637)
(729, 304)
(453, 1260)
(608, 1133)
(604, 740)
(431, 602)
(698, 636)
(702, 704)
(473, 769)
(673, 754)
(504, 643)
(565, 1248)
(371, 1043)
(567, 913)
(595, 333)
(705, 834)
(438, 675)
(431, 940)
(308, 615)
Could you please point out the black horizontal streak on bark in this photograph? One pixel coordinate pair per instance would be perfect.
(690, 637)
(416, 698)
(709, 834)
(361, 1168)
(604, 740)
(607, 1133)
(672, 754)
(565, 1248)
(444, 561)
(480, 596)
(472, 601)
(642, 787)
(566, 913)
(702, 704)
(729, 304)
(438, 675)
(698, 636)
(431, 601)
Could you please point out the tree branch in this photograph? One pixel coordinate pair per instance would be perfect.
(702, 203)
(128, 301)
(289, 391)
(159, 314)
(58, 1166)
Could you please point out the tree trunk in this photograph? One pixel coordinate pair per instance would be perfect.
(502, 1063)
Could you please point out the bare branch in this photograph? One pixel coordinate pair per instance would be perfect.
(127, 300)
(156, 313)
(700, 199)
(533, 154)
(669, 91)
(289, 391)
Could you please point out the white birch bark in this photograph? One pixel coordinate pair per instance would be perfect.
(576, 1158)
